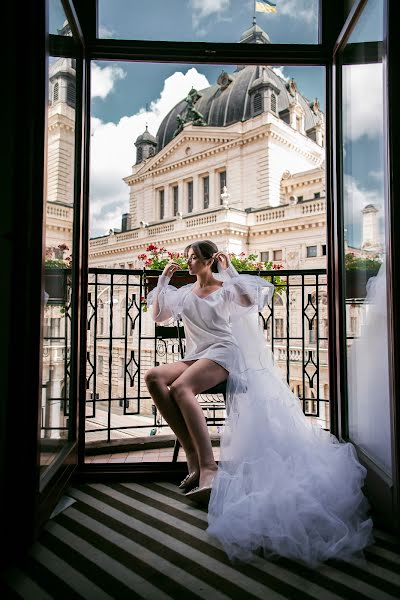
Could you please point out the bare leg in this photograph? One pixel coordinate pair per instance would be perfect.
(201, 375)
(157, 380)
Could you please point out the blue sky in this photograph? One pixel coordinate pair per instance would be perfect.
(128, 95)
(206, 20)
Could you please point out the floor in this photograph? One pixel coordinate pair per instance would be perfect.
(147, 540)
(152, 455)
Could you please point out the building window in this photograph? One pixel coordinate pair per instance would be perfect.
(257, 103)
(222, 184)
(273, 103)
(300, 198)
(101, 332)
(298, 123)
(162, 203)
(277, 254)
(139, 154)
(278, 328)
(323, 249)
(317, 194)
(100, 365)
(311, 251)
(176, 201)
(264, 256)
(55, 327)
(55, 91)
(122, 362)
(313, 331)
(206, 192)
(190, 196)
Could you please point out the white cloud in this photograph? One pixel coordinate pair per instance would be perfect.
(106, 32)
(113, 152)
(201, 9)
(301, 10)
(103, 79)
(377, 175)
(280, 73)
(363, 101)
(355, 199)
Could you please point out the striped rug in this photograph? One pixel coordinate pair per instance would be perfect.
(146, 540)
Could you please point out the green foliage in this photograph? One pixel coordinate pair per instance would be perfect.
(355, 263)
(157, 257)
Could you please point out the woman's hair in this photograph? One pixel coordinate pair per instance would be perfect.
(204, 250)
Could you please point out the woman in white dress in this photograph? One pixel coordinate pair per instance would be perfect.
(283, 485)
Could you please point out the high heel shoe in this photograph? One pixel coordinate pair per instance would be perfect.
(189, 482)
(200, 495)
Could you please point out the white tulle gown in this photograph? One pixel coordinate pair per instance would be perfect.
(283, 486)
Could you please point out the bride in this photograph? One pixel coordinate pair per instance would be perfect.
(283, 486)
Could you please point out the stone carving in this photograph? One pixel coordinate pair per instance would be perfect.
(191, 115)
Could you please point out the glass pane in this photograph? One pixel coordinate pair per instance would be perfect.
(196, 134)
(59, 214)
(364, 223)
(261, 21)
(58, 22)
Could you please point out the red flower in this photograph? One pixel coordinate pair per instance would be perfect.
(151, 247)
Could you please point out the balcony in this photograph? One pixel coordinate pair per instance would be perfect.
(122, 423)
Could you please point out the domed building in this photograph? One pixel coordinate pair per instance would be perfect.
(241, 161)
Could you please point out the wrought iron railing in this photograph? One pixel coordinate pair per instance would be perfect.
(123, 344)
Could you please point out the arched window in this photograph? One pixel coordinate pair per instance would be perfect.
(257, 103)
(273, 103)
(56, 91)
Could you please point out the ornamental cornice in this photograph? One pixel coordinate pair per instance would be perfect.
(286, 228)
(64, 126)
(242, 141)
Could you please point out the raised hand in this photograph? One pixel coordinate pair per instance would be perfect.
(170, 269)
(222, 258)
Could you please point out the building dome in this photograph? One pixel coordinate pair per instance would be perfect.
(145, 137)
(230, 101)
(146, 145)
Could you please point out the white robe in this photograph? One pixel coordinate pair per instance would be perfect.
(284, 486)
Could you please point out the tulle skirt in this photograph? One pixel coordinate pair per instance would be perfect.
(284, 486)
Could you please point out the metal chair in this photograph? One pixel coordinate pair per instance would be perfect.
(177, 332)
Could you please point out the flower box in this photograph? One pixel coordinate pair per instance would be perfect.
(55, 284)
(178, 279)
(356, 282)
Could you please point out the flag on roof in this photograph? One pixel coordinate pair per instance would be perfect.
(265, 6)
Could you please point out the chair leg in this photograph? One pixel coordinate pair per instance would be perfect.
(177, 445)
